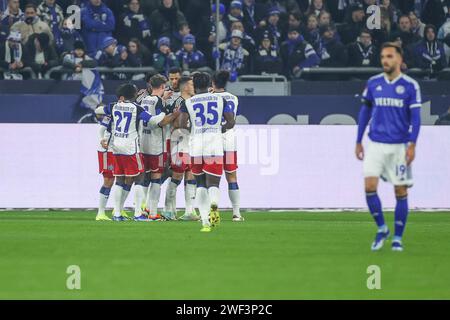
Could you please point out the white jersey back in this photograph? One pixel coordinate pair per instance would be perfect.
(106, 122)
(125, 137)
(229, 137)
(179, 139)
(152, 137)
(205, 113)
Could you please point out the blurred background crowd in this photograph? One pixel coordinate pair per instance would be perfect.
(253, 36)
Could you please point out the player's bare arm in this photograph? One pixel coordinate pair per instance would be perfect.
(229, 121)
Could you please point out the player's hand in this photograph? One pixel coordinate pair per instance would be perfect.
(359, 151)
(167, 94)
(410, 153)
(104, 143)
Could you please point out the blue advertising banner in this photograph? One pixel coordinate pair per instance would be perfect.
(304, 109)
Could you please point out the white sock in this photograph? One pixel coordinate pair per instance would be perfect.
(203, 204)
(189, 197)
(214, 195)
(171, 195)
(145, 193)
(103, 200)
(125, 192)
(155, 193)
(118, 201)
(235, 198)
(138, 198)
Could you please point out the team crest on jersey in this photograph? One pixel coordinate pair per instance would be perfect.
(379, 88)
(400, 89)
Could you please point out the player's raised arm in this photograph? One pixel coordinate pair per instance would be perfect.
(228, 114)
(365, 114)
(104, 109)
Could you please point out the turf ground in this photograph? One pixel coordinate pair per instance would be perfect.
(288, 255)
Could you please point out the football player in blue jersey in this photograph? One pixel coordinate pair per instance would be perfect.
(392, 101)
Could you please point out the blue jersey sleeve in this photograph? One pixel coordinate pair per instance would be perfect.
(227, 107)
(108, 108)
(415, 100)
(367, 97)
(143, 115)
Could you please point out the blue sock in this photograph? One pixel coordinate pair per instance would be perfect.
(374, 204)
(401, 215)
(105, 191)
(233, 186)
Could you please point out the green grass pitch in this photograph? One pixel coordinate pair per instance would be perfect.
(286, 255)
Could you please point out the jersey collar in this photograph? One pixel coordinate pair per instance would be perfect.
(393, 81)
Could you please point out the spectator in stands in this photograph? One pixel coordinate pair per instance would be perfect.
(112, 55)
(444, 35)
(164, 59)
(253, 14)
(77, 60)
(271, 25)
(11, 56)
(69, 36)
(52, 14)
(247, 42)
(332, 52)
(433, 12)
(324, 19)
(312, 34)
(166, 19)
(355, 23)
(222, 32)
(404, 32)
(233, 56)
(11, 15)
(138, 54)
(133, 24)
(148, 6)
(234, 14)
(176, 41)
(31, 25)
(429, 53)
(295, 19)
(444, 119)
(98, 23)
(297, 54)
(390, 10)
(267, 59)
(417, 26)
(316, 7)
(363, 53)
(40, 54)
(189, 57)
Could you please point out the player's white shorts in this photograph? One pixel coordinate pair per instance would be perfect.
(387, 161)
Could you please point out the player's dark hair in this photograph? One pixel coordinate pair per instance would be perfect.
(202, 82)
(183, 81)
(157, 81)
(174, 70)
(220, 79)
(127, 90)
(394, 45)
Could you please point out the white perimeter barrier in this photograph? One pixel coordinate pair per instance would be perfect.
(55, 166)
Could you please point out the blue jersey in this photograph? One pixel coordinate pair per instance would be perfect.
(391, 103)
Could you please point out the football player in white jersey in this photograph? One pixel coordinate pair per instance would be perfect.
(153, 143)
(180, 161)
(128, 162)
(205, 112)
(219, 83)
(106, 166)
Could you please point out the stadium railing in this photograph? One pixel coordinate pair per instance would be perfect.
(356, 71)
(101, 70)
(26, 70)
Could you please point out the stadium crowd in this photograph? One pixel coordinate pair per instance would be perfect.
(255, 36)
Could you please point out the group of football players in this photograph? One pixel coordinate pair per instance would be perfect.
(177, 128)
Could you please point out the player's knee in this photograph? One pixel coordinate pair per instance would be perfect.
(108, 182)
(231, 177)
(401, 191)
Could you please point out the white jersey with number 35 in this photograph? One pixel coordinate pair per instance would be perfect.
(229, 137)
(205, 113)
